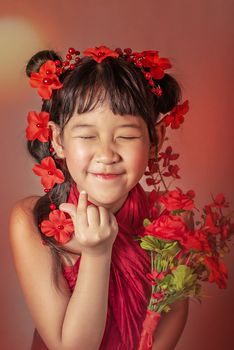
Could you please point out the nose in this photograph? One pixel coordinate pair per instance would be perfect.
(107, 154)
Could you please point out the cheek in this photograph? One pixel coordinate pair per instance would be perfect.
(77, 157)
(138, 158)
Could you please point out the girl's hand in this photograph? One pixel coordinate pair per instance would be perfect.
(95, 227)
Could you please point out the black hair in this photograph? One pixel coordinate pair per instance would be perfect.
(114, 80)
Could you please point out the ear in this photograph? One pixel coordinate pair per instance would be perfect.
(56, 141)
(160, 130)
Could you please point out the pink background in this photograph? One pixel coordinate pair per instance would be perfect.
(198, 38)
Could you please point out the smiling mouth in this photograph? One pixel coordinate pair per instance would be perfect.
(106, 176)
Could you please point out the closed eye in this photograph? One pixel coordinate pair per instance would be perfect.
(86, 137)
(128, 137)
(121, 137)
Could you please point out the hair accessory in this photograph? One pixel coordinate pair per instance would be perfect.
(46, 80)
(149, 62)
(100, 53)
(58, 226)
(50, 175)
(151, 65)
(37, 126)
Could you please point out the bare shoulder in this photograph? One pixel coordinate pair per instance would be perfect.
(25, 240)
(24, 206)
(21, 217)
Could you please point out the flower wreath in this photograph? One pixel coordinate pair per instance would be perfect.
(182, 256)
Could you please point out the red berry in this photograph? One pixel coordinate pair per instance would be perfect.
(57, 63)
(72, 50)
(128, 51)
(58, 71)
(148, 75)
(158, 91)
(138, 64)
(52, 206)
(72, 66)
(68, 57)
(119, 50)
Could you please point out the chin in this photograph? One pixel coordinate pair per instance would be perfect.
(106, 199)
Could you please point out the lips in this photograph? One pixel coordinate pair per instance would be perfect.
(106, 176)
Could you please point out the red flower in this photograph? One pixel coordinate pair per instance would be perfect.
(58, 226)
(211, 220)
(218, 272)
(155, 275)
(197, 241)
(152, 199)
(46, 80)
(157, 65)
(219, 202)
(167, 227)
(175, 200)
(37, 126)
(100, 53)
(159, 296)
(153, 166)
(172, 171)
(167, 156)
(50, 175)
(176, 116)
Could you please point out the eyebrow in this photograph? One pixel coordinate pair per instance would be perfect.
(135, 126)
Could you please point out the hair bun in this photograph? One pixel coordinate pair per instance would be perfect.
(171, 94)
(37, 60)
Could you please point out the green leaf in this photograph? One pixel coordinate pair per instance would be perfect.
(146, 222)
(165, 248)
(150, 243)
(183, 278)
(177, 212)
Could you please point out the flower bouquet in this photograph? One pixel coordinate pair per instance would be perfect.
(184, 250)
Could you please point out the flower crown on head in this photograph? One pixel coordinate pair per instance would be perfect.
(47, 79)
(151, 65)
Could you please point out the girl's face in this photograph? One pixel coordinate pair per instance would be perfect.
(106, 154)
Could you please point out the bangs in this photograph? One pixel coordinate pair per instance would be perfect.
(113, 82)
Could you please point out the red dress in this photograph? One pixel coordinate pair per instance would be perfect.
(129, 289)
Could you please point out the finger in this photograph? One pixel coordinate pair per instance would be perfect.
(104, 216)
(114, 222)
(69, 209)
(82, 208)
(93, 216)
(82, 201)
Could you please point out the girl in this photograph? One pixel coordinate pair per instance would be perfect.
(86, 285)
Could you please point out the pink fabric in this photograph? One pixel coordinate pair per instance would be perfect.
(129, 289)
